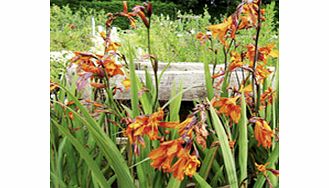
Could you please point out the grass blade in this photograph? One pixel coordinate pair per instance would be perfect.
(207, 162)
(207, 75)
(225, 148)
(174, 107)
(133, 87)
(243, 141)
(173, 183)
(201, 181)
(57, 180)
(84, 154)
(106, 145)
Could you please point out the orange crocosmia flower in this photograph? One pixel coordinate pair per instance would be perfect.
(128, 15)
(126, 83)
(147, 125)
(202, 37)
(219, 30)
(112, 68)
(163, 156)
(244, 23)
(229, 107)
(186, 164)
(250, 53)
(91, 69)
(274, 53)
(262, 168)
(263, 53)
(263, 133)
(103, 35)
(178, 168)
(135, 130)
(143, 17)
(192, 164)
(125, 7)
(268, 95)
(153, 123)
(53, 86)
(113, 46)
(87, 62)
(97, 85)
(269, 51)
(246, 89)
(249, 15)
(261, 73)
(236, 61)
(183, 128)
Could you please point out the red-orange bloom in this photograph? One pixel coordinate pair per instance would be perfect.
(262, 168)
(185, 127)
(186, 164)
(219, 30)
(228, 107)
(93, 64)
(113, 46)
(129, 15)
(112, 68)
(192, 164)
(140, 11)
(267, 96)
(135, 130)
(53, 86)
(143, 17)
(249, 15)
(261, 73)
(263, 53)
(263, 133)
(236, 61)
(147, 125)
(153, 123)
(163, 156)
(202, 37)
(126, 83)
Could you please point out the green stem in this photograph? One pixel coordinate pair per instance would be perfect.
(154, 66)
(215, 61)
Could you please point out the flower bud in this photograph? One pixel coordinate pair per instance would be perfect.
(144, 19)
(149, 9)
(125, 7)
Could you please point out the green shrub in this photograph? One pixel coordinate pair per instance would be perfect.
(72, 30)
(177, 41)
(116, 6)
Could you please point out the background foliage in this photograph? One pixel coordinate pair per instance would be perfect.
(71, 30)
(217, 8)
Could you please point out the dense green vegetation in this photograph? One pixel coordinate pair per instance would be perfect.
(216, 8)
(71, 30)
